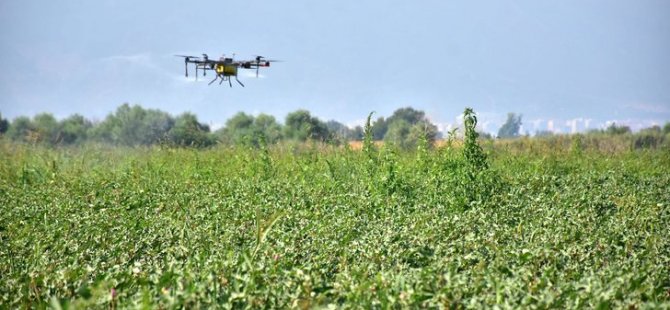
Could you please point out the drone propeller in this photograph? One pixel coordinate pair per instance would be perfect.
(186, 60)
(262, 62)
(262, 58)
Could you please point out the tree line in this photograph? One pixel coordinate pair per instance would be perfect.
(136, 126)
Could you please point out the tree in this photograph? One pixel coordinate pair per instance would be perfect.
(357, 133)
(405, 135)
(301, 125)
(423, 128)
(74, 129)
(4, 125)
(511, 127)
(411, 116)
(244, 128)
(129, 121)
(406, 126)
(21, 129)
(102, 132)
(398, 133)
(187, 131)
(614, 129)
(267, 126)
(341, 132)
(651, 137)
(238, 129)
(122, 127)
(134, 126)
(653, 129)
(379, 129)
(666, 128)
(337, 128)
(408, 114)
(155, 126)
(46, 128)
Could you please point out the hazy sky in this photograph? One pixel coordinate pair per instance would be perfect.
(562, 64)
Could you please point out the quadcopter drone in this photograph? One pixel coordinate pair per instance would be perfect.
(225, 67)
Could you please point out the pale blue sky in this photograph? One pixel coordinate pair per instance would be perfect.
(559, 63)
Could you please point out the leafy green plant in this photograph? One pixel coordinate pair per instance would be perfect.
(368, 144)
(263, 228)
(529, 224)
(472, 151)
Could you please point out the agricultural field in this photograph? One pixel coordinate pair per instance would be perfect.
(313, 225)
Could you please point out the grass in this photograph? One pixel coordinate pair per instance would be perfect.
(313, 225)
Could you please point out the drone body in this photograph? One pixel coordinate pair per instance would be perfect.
(224, 68)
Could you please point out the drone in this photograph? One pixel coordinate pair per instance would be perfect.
(225, 68)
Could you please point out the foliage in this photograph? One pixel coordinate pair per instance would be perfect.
(407, 136)
(46, 128)
(368, 136)
(301, 126)
(74, 129)
(511, 127)
(408, 114)
(137, 126)
(280, 227)
(405, 128)
(614, 129)
(472, 151)
(243, 129)
(649, 138)
(379, 129)
(577, 144)
(267, 127)
(422, 132)
(4, 125)
(134, 126)
(238, 129)
(398, 134)
(357, 133)
(187, 131)
(22, 129)
(341, 132)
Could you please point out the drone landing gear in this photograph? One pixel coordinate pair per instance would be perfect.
(224, 78)
(216, 77)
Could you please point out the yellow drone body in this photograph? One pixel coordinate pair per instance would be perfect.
(226, 70)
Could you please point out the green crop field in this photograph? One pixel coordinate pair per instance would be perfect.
(310, 225)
